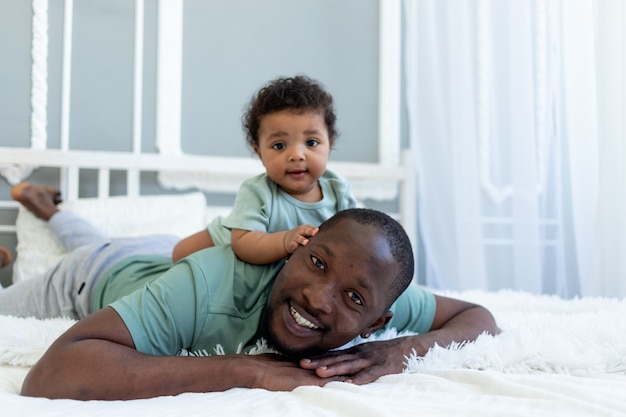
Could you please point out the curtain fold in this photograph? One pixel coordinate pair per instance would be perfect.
(609, 262)
(516, 114)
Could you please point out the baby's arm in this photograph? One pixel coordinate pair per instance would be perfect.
(259, 248)
(191, 244)
(299, 235)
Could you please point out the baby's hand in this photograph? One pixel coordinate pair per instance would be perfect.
(299, 235)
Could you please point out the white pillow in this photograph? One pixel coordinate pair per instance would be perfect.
(38, 249)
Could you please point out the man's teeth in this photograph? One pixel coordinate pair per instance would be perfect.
(301, 320)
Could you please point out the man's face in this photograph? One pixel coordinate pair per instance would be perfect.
(330, 291)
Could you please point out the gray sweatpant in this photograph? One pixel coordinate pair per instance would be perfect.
(65, 290)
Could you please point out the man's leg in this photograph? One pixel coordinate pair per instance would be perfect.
(71, 230)
(65, 289)
(55, 293)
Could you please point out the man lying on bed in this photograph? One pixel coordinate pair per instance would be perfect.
(339, 286)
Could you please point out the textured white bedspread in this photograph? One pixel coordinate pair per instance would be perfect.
(554, 358)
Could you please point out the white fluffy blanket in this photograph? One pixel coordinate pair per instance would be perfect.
(554, 357)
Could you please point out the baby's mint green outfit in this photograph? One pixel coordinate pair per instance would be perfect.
(261, 205)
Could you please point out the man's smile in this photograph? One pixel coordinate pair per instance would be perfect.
(301, 320)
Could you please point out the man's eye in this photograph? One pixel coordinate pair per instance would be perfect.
(278, 146)
(355, 298)
(312, 143)
(318, 263)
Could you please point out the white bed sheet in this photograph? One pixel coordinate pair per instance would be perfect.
(554, 357)
(434, 393)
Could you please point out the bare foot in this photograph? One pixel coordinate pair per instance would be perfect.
(40, 200)
(5, 257)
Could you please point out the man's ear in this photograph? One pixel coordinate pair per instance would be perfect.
(377, 324)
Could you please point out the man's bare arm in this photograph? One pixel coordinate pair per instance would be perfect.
(96, 359)
(455, 321)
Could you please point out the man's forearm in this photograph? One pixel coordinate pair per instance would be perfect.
(90, 370)
(466, 326)
(96, 359)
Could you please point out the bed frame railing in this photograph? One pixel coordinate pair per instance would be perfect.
(391, 179)
(216, 174)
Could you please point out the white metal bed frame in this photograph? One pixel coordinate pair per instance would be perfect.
(390, 179)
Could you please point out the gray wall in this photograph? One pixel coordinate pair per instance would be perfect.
(231, 48)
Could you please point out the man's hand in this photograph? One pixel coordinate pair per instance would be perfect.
(363, 363)
(275, 373)
(299, 235)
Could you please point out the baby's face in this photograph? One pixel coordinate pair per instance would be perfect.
(331, 290)
(294, 148)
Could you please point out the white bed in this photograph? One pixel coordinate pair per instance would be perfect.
(554, 356)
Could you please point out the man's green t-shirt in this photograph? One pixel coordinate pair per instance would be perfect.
(211, 302)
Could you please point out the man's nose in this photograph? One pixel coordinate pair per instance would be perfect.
(320, 297)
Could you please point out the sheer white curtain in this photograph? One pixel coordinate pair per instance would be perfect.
(516, 113)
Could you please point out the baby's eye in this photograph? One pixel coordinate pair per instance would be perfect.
(278, 146)
(356, 298)
(318, 263)
(312, 143)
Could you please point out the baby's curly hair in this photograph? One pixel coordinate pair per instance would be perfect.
(299, 93)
